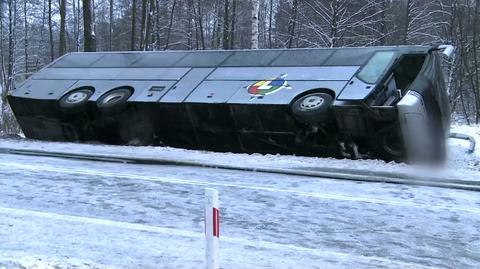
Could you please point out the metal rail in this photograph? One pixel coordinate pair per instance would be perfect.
(471, 148)
(331, 173)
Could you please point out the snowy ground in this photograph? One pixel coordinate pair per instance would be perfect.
(459, 165)
(457, 156)
(58, 213)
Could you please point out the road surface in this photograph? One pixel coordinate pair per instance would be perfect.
(83, 214)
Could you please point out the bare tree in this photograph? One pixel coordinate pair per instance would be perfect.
(199, 20)
(134, 25)
(270, 18)
(89, 43)
(255, 10)
(169, 30)
(76, 23)
(9, 124)
(50, 29)
(340, 22)
(419, 25)
(43, 27)
(25, 36)
(291, 23)
(143, 26)
(226, 25)
(407, 20)
(40, 42)
(476, 77)
(233, 24)
(63, 41)
(150, 23)
(12, 44)
(157, 26)
(110, 24)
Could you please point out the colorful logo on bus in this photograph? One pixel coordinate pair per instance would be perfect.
(266, 87)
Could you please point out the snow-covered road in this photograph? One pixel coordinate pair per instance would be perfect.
(71, 213)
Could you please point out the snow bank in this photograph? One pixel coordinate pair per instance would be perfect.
(459, 165)
(18, 260)
(457, 157)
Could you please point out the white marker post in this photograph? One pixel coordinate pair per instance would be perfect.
(212, 228)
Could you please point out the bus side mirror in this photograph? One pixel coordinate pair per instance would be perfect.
(447, 50)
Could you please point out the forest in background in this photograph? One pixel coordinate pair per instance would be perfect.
(35, 32)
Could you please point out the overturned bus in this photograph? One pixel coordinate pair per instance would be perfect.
(377, 102)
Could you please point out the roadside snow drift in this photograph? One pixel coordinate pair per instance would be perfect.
(460, 164)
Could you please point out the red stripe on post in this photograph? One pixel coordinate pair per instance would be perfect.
(216, 222)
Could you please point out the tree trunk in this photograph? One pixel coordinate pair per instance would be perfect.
(50, 30)
(110, 26)
(63, 41)
(88, 28)
(232, 26)
(8, 121)
(334, 24)
(200, 24)
(226, 27)
(76, 24)
(383, 23)
(2, 59)
(169, 30)
(291, 24)
(406, 22)
(476, 66)
(25, 36)
(191, 24)
(157, 26)
(270, 18)
(217, 26)
(134, 25)
(40, 42)
(255, 9)
(143, 24)
(150, 24)
(12, 43)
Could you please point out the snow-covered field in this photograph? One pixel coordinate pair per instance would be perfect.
(59, 213)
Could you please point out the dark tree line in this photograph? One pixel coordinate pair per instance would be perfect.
(35, 32)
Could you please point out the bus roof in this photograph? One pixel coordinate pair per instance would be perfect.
(230, 58)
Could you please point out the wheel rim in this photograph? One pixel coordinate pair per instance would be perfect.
(113, 98)
(312, 102)
(76, 97)
(392, 147)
